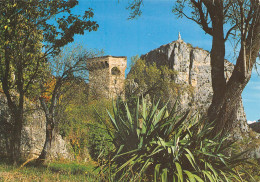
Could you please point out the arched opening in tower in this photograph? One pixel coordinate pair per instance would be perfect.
(115, 71)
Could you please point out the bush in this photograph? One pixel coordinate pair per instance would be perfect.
(99, 143)
(98, 140)
(81, 125)
(153, 143)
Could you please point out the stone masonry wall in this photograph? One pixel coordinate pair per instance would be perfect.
(107, 76)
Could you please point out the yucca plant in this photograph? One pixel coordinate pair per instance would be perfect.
(154, 144)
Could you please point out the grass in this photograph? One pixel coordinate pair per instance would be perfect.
(54, 171)
(62, 171)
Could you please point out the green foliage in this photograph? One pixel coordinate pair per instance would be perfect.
(24, 26)
(34, 16)
(20, 59)
(251, 171)
(156, 144)
(80, 122)
(157, 82)
(99, 143)
(70, 167)
(55, 171)
(98, 139)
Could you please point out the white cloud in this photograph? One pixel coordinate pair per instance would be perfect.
(250, 122)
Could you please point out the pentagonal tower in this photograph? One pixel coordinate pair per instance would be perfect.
(107, 76)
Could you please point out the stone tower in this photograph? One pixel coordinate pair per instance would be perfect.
(107, 76)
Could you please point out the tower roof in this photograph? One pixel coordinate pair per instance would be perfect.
(109, 56)
(106, 62)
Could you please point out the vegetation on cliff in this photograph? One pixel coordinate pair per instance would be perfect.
(157, 82)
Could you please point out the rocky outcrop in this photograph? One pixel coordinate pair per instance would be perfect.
(33, 138)
(255, 126)
(193, 68)
(33, 133)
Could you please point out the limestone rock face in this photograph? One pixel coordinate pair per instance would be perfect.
(193, 67)
(33, 134)
(255, 126)
(33, 138)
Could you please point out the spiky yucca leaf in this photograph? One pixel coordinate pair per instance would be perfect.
(167, 146)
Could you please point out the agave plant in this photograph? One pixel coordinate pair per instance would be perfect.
(154, 144)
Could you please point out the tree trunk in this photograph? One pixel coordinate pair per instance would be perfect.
(16, 138)
(49, 136)
(217, 67)
(49, 115)
(7, 143)
(227, 108)
(225, 102)
(223, 109)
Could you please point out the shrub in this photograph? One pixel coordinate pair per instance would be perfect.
(98, 143)
(153, 143)
(81, 125)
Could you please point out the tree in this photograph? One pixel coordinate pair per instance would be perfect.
(30, 31)
(69, 66)
(157, 82)
(241, 18)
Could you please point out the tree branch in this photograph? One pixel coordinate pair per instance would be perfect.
(203, 22)
(229, 32)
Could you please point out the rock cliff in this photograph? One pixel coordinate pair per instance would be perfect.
(33, 133)
(193, 67)
(255, 126)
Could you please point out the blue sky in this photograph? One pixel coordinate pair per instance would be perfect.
(118, 36)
